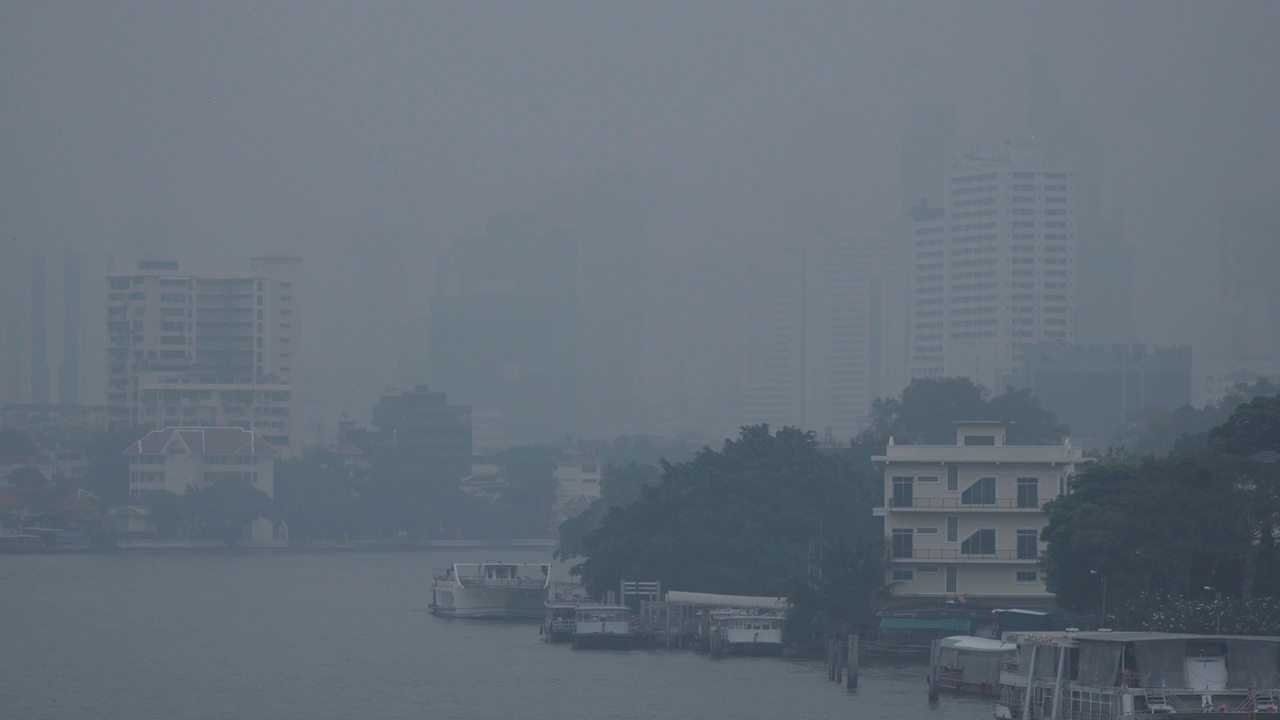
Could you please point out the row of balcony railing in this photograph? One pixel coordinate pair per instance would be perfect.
(955, 554)
(955, 502)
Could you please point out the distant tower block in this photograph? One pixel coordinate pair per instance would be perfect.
(39, 363)
(69, 373)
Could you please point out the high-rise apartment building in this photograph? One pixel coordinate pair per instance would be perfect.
(993, 269)
(833, 337)
(189, 350)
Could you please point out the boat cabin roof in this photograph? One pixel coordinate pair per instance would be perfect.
(977, 644)
(1074, 637)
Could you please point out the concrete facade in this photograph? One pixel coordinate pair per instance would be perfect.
(964, 520)
(202, 351)
(993, 269)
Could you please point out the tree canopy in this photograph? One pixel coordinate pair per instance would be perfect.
(1172, 526)
(924, 414)
(743, 520)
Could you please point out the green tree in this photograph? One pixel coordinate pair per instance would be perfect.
(619, 485)
(108, 473)
(742, 520)
(224, 508)
(928, 407)
(1252, 427)
(320, 497)
(1185, 430)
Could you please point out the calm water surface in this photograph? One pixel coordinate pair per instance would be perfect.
(317, 636)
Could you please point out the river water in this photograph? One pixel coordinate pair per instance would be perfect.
(135, 635)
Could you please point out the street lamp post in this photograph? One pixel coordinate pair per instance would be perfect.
(1103, 576)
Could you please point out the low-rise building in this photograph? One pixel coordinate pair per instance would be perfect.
(963, 521)
(175, 458)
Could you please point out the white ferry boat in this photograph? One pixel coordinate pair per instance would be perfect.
(1105, 675)
(742, 632)
(498, 590)
(602, 627)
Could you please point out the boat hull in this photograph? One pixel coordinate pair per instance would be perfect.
(597, 641)
(489, 603)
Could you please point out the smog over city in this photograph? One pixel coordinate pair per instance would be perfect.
(578, 278)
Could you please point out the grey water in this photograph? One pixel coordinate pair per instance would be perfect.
(232, 635)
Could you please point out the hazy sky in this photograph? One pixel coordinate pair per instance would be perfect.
(206, 132)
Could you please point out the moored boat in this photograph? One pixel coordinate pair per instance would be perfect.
(739, 632)
(602, 627)
(1106, 675)
(972, 664)
(560, 620)
(492, 589)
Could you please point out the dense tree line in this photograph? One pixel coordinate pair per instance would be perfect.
(769, 513)
(1199, 522)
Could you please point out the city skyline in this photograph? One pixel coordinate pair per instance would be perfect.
(702, 143)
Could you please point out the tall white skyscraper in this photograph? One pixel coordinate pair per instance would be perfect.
(993, 269)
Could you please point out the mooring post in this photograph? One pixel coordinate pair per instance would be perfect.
(935, 650)
(851, 680)
(839, 661)
(831, 660)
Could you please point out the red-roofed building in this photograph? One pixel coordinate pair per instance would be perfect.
(175, 458)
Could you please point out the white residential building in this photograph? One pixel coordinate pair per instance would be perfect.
(204, 351)
(964, 520)
(175, 458)
(994, 269)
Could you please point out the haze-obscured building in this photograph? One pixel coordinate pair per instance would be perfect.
(176, 458)
(1095, 389)
(963, 521)
(187, 350)
(993, 270)
(831, 336)
(421, 424)
(502, 331)
(1104, 271)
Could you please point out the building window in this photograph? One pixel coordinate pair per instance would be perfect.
(902, 543)
(982, 542)
(1028, 492)
(986, 440)
(1028, 576)
(902, 492)
(953, 528)
(927, 478)
(904, 576)
(927, 531)
(982, 492)
(952, 580)
(953, 478)
(1027, 549)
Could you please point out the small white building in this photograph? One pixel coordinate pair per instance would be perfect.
(175, 458)
(963, 521)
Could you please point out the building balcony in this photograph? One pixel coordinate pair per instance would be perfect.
(954, 503)
(954, 554)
